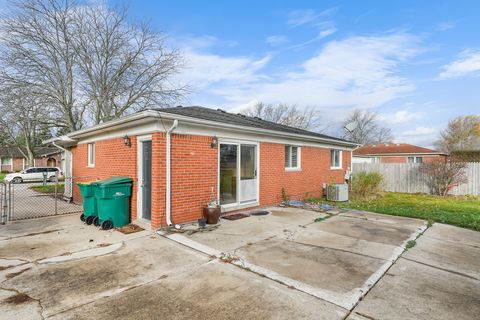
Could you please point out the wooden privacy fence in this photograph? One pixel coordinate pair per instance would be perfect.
(405, 177)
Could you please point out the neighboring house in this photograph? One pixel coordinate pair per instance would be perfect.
(13, 160)
(181, 158)
(395, 153)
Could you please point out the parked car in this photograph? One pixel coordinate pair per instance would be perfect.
(33, 174)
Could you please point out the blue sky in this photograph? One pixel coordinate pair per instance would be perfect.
(416, 63)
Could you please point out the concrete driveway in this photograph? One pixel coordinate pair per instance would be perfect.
(280, 266)
(28, 203)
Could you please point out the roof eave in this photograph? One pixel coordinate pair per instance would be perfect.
(75, 136)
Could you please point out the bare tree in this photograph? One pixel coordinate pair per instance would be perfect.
(22, 120)
(285, 114)
(84, 60)
(125, 67)
(363, 127)
(38, 57)
(443, 175)
(461, 134)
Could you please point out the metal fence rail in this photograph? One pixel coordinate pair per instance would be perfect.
(405, 177)
(35, 199)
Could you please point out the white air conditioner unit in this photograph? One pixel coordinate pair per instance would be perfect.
(337, 192)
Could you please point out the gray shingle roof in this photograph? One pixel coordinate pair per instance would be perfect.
(241, 120)
(14, 152)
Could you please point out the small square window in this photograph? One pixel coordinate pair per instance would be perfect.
(91, 154)
(335, 159)
(292, 157)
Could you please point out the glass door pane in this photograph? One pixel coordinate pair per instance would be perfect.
(248, 173)
(247, 162)
(228, 173)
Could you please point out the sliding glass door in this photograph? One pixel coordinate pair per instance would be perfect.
(238, 174)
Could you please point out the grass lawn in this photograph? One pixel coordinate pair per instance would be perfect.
(459, 211)
(49, 188)
(2, 175)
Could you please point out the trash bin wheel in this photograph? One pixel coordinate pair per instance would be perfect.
(96, 222)
(107, 225)
(82, 217)
(89, 220)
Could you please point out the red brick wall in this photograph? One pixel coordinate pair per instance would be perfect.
(399, 159)
(158, 179)
(112, 158)
(17, 166)
(43, 161)
(315, 170)
(194, 175)
(403, 159)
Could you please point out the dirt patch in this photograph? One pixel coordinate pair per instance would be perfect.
(19, 298)
(102, 245)
(131, 228)
(14, 274)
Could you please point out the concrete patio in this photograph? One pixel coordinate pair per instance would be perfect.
(280, 266)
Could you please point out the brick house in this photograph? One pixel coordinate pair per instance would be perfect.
(395, 153)
(180, 158)
(12, 159)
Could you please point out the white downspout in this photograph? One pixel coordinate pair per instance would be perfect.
(168, 175)
(68, 192)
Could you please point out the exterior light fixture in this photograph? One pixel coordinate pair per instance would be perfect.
(126, 141)
(214, 143)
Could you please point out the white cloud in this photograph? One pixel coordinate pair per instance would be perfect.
(276, 40)
(356, 72)
(444, 26)
(322, 34)
(308, 17)
(204, 69)
(400, 117)
(423, 136)
(467, 64)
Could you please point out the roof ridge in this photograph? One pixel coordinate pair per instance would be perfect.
(245, 120)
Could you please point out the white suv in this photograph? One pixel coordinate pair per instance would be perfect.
(33, 174)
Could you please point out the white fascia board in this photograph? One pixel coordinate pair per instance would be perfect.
(150, 116)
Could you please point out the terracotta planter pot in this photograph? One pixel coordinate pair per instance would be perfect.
(212, 214)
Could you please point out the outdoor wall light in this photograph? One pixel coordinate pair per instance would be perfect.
(214, 143)
(126, 141)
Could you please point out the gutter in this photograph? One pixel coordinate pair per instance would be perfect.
(168, 174)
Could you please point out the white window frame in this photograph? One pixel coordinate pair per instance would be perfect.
(415, 158)
(288, 167)
(377, 160)
(6, 164)
(340, 159)
(91, 155)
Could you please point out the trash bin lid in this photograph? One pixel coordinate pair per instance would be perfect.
(86, 182)
(113, 180)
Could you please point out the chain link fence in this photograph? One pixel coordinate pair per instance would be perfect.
(29, 200)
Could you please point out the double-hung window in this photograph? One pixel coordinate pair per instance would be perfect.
(91, 155)
(292, 157)
(335, 159)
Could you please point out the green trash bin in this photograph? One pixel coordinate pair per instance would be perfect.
(113, 201)
(87, 191)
